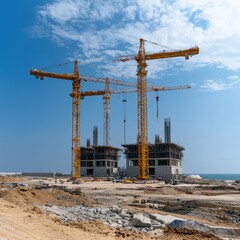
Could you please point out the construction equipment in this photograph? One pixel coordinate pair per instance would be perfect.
(76, 84)
(107, 95)
(142, 85)
(76, 97)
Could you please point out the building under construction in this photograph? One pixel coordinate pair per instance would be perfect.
(99, 161)
(165, 159)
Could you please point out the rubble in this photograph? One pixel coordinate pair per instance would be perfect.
(139, 220)
(184, 225)
(166, 219)
(113, 216)
(122, 218)
(211, 211)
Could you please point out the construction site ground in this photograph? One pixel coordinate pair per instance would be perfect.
(23, 216)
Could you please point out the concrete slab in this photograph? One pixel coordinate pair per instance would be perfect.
(166, 219)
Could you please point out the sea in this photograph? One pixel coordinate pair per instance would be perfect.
(218, 176)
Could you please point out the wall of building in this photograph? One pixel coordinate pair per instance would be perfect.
(159, 166)
(131, 171)
(100, 161)
(99, 168)
(164, 172)
(98, 171)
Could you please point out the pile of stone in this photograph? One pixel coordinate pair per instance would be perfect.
(113, 216)
(122, 218)
(188, 225)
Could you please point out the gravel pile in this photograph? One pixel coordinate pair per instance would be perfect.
(113, 216)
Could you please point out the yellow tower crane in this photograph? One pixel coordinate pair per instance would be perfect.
(76, 85)
(76, 98)
(107, 96)
(142, 86)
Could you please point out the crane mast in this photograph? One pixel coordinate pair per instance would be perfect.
(106, 99)
(106, 127)
(142, 86)
(76, 96)
(76, 100)
(143, 164)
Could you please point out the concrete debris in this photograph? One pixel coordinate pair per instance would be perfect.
(211, 211)
(113, 216)
(139, 220)
(193, 225)
(122, 218)
(166, 219)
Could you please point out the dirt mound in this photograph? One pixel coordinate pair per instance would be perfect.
(28, 197)
(5, 179)
(162, 191)
(189, 234)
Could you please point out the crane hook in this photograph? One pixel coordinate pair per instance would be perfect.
(157, 99)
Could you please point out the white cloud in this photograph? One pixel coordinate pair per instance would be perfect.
(60, 11)
(219, 85)
(103, 30)
(211, 85)
(63, 11)
(234, 77)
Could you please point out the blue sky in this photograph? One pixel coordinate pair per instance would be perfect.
(35, 117)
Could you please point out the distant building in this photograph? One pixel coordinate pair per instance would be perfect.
(95, 136)
(99, 161)
(88, 143)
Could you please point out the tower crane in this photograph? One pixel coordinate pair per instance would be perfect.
(76, 85)
(106, 100)
(142, 86)
(76, 98)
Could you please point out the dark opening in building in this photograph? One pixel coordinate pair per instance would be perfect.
(151, 171)
(89, 171)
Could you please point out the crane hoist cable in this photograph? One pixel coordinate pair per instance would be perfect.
(157, 99)
(124, 118)
(57, 65)
(158, 44)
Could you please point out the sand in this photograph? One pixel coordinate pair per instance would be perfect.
(21, 216)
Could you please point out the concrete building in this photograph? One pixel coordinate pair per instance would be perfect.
(99, 161)
(165, 159)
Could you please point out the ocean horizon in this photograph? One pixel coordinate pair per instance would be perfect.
(217, 176)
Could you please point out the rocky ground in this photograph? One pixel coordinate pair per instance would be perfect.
(46, 209)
